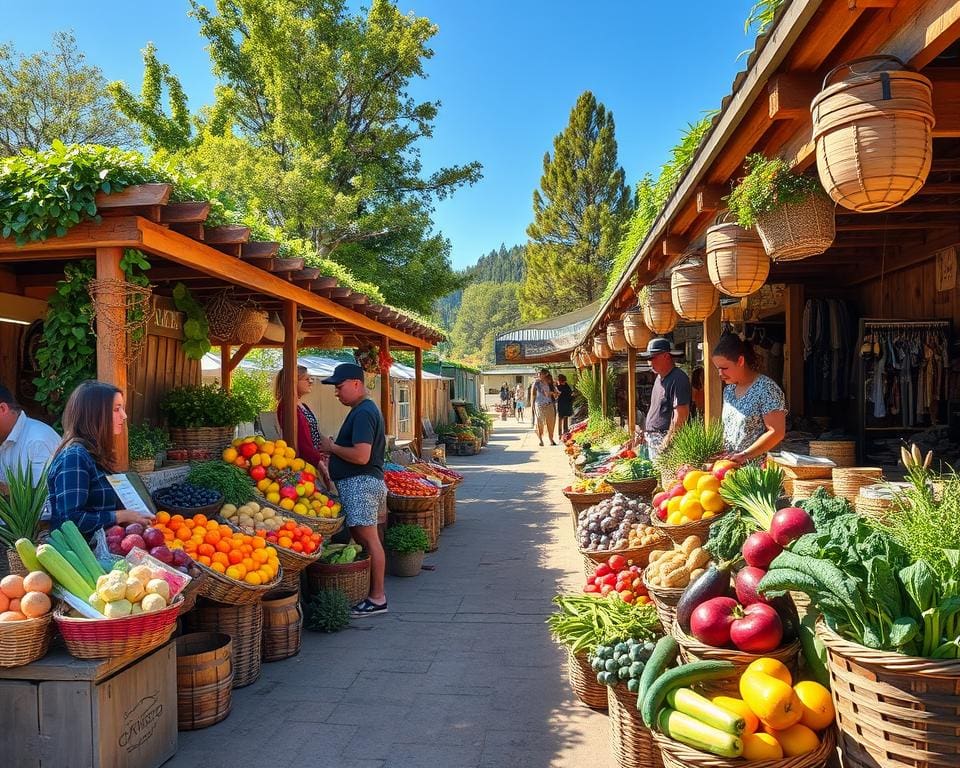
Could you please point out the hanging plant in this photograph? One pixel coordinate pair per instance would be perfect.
(368, 358)
(768, 185)
(196, 331)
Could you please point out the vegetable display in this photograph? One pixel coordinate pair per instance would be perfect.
(621, 662)
(340, 554)
(692, 445)
(679, 566)
(695, 495)
(632, 469)
(608, 525)
(617, 577)
(235, 484)
(582, 622)
(590, 485)
(408, 484)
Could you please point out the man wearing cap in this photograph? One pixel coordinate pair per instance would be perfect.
(669, 399)
(356, 466)
(23, 441)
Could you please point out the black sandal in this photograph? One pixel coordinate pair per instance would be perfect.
(367, 607)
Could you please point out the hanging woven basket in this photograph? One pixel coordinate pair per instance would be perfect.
(233, 321)
(798, 230)
(873, 133)
(658, 312)
(635, 330)
(330, 340)
(694, 296)
(601, 349)
(616, 338)
(737, 264)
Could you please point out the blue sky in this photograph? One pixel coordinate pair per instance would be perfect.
(507, 74)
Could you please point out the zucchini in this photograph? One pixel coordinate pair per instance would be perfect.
(693, 704)
(690, 731)
(664, 654)
(28, 554)
(59, 540)
(62, 572)
(681, 677)
(79, 545)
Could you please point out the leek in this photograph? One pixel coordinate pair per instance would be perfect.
(755, 491)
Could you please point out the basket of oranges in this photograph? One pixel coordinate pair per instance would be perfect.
(239, 568)
(297, 545)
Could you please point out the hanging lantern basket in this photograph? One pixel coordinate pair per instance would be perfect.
(874, 133)
(635, 329)
(616, 338)
(113, 299)
(233, 321)
(737, 264)
(694, 296)
(330, 340)
(798, 230)
(601, 349)
(658, 312)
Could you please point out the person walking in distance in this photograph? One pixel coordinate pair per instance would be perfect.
(356, 466)
(564, 403)
(544, 405)
(669, 399)
(518, 399)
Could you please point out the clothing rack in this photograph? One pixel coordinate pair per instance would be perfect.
(905, 324)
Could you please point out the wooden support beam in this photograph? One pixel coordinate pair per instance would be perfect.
(290, 376)
(225, 369)
(793, 351)
(864, 4)
(604, 405)
(710, 197)
(789, 95)
(418, 402)
(946, 102)
(182, 213)
(386, 394)
(712, 386)
(121, 232)
(241, 353)
(111, 357)
(631, 391)
(674, 245)
(226, 235)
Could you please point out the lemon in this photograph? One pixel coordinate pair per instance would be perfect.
(691, 479)
(708, 483)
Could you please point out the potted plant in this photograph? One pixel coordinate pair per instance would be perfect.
(406, 546)
(203, 418)
(142, 448)
(792, 213)
(20, 507)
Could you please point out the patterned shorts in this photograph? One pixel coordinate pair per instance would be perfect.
(362, 497)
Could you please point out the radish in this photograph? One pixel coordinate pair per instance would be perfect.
(790, 524)
(760, 549)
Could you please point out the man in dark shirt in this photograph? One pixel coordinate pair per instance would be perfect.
(356, 466)
(669, 399)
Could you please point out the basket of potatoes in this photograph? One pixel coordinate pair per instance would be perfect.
(642, 539)
(252, 516)
(669, 572)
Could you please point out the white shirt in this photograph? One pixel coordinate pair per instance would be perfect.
(29, 441)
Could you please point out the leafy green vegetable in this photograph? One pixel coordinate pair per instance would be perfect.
(824, 508)
(235, 485)
(692, 445)
(727, 535)
(754, 490)
(585, 621)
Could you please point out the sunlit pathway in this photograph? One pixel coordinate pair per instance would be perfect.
(461, 672)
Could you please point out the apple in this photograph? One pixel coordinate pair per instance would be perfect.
(134, 529)
(115, 532)
(660, 498)
(617, 562)
(181, 558)
(677, 491)
(162, 553)
(258, 473)
(129, 542)
(591, 589)
(757, 629)
(746, 585)
(288, 492)
(602, 569)
(152, 538)
(662, 513)
(247, 449)
(711, 620)
(789, 524)
(760, 549)
(721, 473)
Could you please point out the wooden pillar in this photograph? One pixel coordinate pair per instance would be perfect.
(793, 351)
(712, 386)
(289, 395)
(418, 401)
(631, 391)
(226, 369)
(111, 357)
(604, 405)
(386, 393)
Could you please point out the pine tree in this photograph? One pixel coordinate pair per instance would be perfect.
(580, 213)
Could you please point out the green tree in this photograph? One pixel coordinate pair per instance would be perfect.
(486, 310)
(55, 94)
(580, 213)
(314, 125)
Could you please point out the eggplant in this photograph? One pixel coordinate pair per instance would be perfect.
(713, 582)
(789, 617)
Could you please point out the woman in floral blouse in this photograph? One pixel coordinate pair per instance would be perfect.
(754, 408)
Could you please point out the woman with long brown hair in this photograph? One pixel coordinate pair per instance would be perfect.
(308, 428)
(77, 480)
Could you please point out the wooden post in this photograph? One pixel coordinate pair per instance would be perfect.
(289, 394)
(386, 394)
(631, 391)
(226, 370)
(111, 358)
(712, 386)
(793, 351)
(418, 402)
(603, 387)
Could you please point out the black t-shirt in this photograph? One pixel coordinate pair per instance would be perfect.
(565, 400)
(364, 424)
(668, 392)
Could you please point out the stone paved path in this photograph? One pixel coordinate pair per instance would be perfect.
(461, 673)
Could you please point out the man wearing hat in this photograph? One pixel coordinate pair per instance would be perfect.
(356, 466)
(669, 399)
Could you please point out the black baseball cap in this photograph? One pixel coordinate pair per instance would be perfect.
(344, 372)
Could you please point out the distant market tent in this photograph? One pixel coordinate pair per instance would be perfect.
(545, 341)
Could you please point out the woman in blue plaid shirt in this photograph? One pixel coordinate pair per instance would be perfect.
(77, 480)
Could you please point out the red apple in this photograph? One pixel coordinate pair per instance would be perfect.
(288, 492)
(662, 513)
(116, 532)
(131, 541)
(660, 498)
(677, 491)
(790, 524)
(760, 549)
(746, 585)
(721, 472)
(247, 449)
(757, 630)
(711, 620)
(617, 562)
(602, 569)
(163, 554)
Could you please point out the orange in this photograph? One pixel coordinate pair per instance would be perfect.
(240, 462)
(279, 444)
(796, 740)
(248, 563)
(289, 453)
(221, 558)
(259, 556)
(212, 525)
(200, 519)
(262, 485)
(761, 746)
(235, 556)
(241, 569)
(176, 521)
(206, 550)
(212, 537)
(183, 533)
(230, 455)
(233, 572)
(691, 479)
(163, 517)
(772, 667)
(223, 545)
(253, 578)
(711, 501)
(204, 559)
(690, 507)
(772, 700)
(739, 707)
(218, 567)
(818, 712)
(267, 447)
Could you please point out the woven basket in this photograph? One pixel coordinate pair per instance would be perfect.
(244, 625)
(616, 337)
(630, 740)
(601, 349)
(801, 601)
(326, 526)
(353, 579)
(847, 481)
(190, 593)
(665, 600)
(23, 642)
(692, 650)
(658, 312)
(635, 489)
(635, 330)
(15, 564)
(801, 472)
(677, 533)
(397, 503)
(582, 501)
(797, 230)
(208, 510)
(291, 561)
(142, 466)
(694, 296)
(843, 453)
(893, 711)
(677, 755)
(635, 555)
(282, 625)
(583, 681)
(426, 519)
(803, 489)
(127, 636)
(222, 589)
(450, 506)
(736, 262)
(873, 134)
(875, 508)
(212, 439)
(250, 326)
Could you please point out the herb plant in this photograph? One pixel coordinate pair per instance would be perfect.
(140, 442)
(692, 445)
(327, 611)
(205, 406)
(235, 484)
(406, 539)
(21, 507)
(768, 185)
(755, 491)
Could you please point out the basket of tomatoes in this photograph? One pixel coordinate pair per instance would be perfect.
(409, 492)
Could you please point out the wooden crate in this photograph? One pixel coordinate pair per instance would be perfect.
(61, 712)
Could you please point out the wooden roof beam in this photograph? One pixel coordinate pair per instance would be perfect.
(138, 196)
(673, 245)
(789, 95)
(710, 197)
(180, 213)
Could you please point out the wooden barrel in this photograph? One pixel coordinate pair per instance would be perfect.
(635, 330)
(737, 264)
(204, 679)
(282, 625)
(450, 507)
(244, 625)
(694, 296)
(601, 349)
(616, 338)
(658, 312)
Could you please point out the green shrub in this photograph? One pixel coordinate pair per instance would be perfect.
(406, 539)
(205, 406)
(256, 388)
(327, 611)
(235, 484)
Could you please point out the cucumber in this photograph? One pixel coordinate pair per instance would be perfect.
(682, 676)
(62, 572)
(28, 554)
(79, 545)
(690, 703)
(664, 654)
(690, 731)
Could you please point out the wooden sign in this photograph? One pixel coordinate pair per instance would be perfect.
(165, 320)
(946, 269)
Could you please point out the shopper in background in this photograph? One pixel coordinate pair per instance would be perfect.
(308, 428)
(564, 403)
(669, 398)
(754, 407)
(23, 441)
(77, 480)
(696, 392)
(544, 395)
(518, 399)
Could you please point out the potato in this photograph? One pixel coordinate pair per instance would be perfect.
(267, 513)
(678, 577)
(656, 555)
(696, 574)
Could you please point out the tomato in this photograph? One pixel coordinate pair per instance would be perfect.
(591, 589)
(617, 562)
(603, 569)
(627, 596)
(606, 589)
(610, 578)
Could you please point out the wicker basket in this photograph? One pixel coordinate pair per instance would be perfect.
(250, 326)
(797, 230)
(635, 489)
(244, 625)
(127, 636)
(847, 481)
(222, 589)
(291, 561)
(803, 489)
(635, 330)
(694, 297)
(582, 501)
(893, 711)
(142, 466)
(665, 600)
(658, 312)
(450, 506)
(425, 519)
(212, 439)
(801, 472)
(692, 650)
(677, 533)
(873, 134)
(736, 262)
(677, 755)
(843, 453)
(15, 564)
(190, 593)
(630, 740)
(282, 625)
(397, 503)
(583, 681)
(353, 579)
(635, 556)
(876, 508)
(601, 349)
(325, 526)
(23, 642)
(616, 337)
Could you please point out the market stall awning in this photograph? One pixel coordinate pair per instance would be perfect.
(548, 340)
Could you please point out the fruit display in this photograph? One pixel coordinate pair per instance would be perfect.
(618, 577)
(590, 485)
(622, 662)
(408, 484)
(606, 525)
(341, 554)
(679, 566)
(25, 597)
(186, 496)
(126, 591)
(430, 470)
(695, 496)
(236, 555)
(121, 540)
(251, 515)
(722, 622)
(299, 538)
